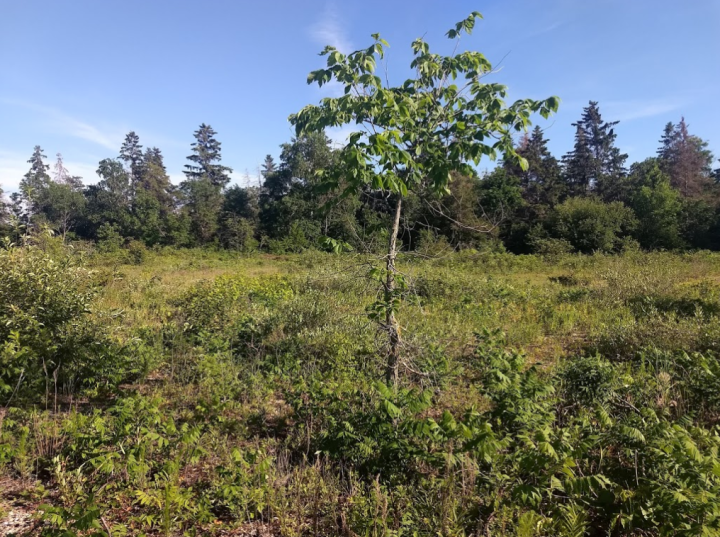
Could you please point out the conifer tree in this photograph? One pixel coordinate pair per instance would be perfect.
(155, 180)
(686, 159)
(268, 166)
(540, 182)
(36, 179)
(132, 155)
(206, 159)
(206, 178)
(595, 164)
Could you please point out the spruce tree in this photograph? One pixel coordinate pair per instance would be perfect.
(36, 179)
(155, 180)
(687, 160)
(595, 164)
(132, 155)
(206, 159)
(540, 182)
(206, 178)
(268, 166)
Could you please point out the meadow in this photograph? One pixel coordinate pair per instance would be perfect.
(198, 392)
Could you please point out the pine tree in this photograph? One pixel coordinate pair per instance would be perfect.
(686, 159)
(132, 155)
(206, 159)
(595, 164)
(36, 179)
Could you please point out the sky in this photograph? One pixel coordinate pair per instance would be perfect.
(76, 76)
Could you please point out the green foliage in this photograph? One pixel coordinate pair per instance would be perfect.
(50, 341)
(388, 159)
(591, 225)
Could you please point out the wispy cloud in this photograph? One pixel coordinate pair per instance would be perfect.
(66, 124)
(544, 30)
(639, 109)
(329, 30)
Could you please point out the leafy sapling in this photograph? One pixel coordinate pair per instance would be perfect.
(412, 137)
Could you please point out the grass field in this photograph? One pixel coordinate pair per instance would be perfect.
(575, 395)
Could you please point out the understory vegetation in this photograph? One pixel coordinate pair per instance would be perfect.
(190, 392)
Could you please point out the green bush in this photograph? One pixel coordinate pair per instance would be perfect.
(589, 380)
(50, 342)
(590, 225)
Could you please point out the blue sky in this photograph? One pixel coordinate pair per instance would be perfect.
(76, 76)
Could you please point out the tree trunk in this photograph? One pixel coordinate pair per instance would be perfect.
(391, 324)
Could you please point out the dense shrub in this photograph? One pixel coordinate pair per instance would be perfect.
(591, 225)
(50, 340)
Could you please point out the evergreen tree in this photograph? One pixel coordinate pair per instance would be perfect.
(131, 154)
(578, 165)
(268, 166)
(203, 205)
(687, 160)
(206, 178)
(595, 164)
(36, 179)
(206, 159)
(541, 181)
(155, 180)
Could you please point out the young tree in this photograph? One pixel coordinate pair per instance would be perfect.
(686, 159)
(595, 164)
(412, 137)
(657, 206)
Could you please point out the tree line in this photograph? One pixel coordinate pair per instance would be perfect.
(588, 200)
